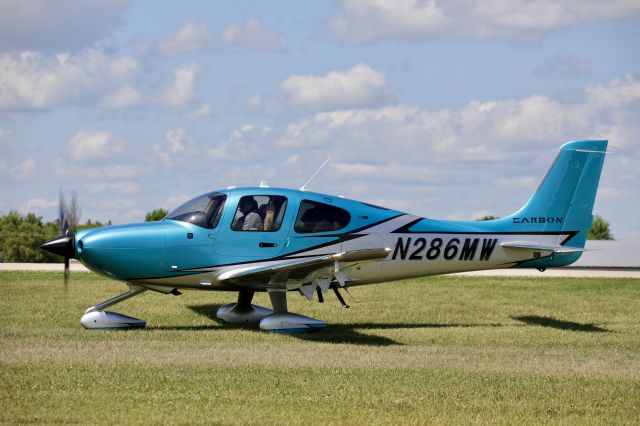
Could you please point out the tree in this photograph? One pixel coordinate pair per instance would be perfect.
(155, 215)
(599, 230)
(488, 217)
(89, 224)
(21, 236)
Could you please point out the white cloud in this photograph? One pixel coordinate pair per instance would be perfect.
(191, 37)
(36, 204)
(265, 105)
(250, 36)
(6, 139)
(17, 172)
(396, 152)
(99, 173)
(31, 80)
(182, 91)
(24, 170)
(242, 144)
(93, 145)
(123, 97)
(121, 187)
(176, 139)
(57, 25)
(565, 65)
(477, 130)
(363, 21)
(202, 111)
(124, 68)
(357, 86)
(295, 158)
(177, 142)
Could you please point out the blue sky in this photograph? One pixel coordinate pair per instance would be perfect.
(444, 109)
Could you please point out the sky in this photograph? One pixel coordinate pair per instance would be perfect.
(449, 110)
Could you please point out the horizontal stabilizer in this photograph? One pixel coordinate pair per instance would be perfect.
(539, 247)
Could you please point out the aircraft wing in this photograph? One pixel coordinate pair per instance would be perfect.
(317, 270)
(541, 247)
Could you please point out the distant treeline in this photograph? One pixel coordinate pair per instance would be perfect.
(21, 236)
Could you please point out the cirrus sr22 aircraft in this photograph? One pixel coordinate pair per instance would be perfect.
(245, 240)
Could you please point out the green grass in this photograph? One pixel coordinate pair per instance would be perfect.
(435, 350)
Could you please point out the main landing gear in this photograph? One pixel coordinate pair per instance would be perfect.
(276, 320)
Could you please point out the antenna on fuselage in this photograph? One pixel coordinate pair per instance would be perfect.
(304, 187)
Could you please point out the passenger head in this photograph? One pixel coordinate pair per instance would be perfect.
(248, 204)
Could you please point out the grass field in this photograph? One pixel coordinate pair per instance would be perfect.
(434, 350)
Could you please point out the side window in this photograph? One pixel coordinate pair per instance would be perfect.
(259, 213)
(320, 217)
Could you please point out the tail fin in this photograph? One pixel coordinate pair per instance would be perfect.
(564, 199)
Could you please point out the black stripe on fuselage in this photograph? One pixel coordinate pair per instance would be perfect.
(405, 229)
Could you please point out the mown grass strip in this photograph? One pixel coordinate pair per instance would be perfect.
(442, 349)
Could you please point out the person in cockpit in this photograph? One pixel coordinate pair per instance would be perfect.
(250, 219)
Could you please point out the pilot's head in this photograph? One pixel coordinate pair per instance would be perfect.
(248, 205)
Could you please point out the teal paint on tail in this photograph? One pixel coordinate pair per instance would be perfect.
(562, 203)
(564, 199)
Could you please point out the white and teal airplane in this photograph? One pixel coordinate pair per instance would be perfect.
(281, 240)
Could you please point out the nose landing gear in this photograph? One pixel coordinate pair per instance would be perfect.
(97, 318)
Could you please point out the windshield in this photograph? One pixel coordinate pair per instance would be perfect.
(204, 210)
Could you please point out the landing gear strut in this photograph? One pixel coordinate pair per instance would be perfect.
(243, 312)
(97, 318)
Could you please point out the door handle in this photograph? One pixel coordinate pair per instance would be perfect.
(263, 245)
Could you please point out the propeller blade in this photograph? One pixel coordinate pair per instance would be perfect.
(63, 245)
(63, 214)
(66, 273)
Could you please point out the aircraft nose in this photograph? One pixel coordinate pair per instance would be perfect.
(124, 251)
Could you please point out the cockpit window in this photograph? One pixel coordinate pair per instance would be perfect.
(204, 210)
(320, 217)
(259, 213)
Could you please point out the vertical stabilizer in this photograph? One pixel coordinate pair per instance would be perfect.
(564, 199)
